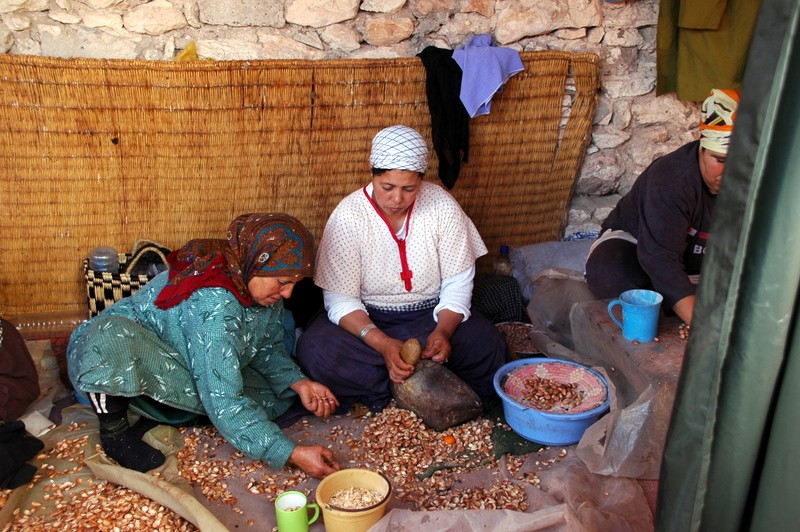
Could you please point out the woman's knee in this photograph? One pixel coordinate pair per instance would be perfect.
(613, 267)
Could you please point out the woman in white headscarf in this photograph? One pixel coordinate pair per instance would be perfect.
(655, 237)
(397, 261)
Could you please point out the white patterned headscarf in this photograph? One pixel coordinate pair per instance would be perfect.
(719, 114)
(399, 148)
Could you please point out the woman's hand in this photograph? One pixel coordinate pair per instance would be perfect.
(437, 347)
(684, 308)
(316, 460)
(316, 397)
(398, 369)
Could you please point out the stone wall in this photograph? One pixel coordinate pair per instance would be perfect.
(631, 128)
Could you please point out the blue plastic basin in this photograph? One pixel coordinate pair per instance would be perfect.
(547, 428)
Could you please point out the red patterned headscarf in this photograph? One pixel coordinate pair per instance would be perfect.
(257, 245)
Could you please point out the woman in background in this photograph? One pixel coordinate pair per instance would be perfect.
(655, 237)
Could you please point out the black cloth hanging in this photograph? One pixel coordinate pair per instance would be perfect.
(449, 118)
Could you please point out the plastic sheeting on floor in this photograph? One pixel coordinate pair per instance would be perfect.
(566, 497)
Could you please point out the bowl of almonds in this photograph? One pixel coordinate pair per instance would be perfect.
(517, 335)
(352, 500)
(551, 401)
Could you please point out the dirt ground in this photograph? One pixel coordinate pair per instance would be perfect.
(465, 478)
(456, 480)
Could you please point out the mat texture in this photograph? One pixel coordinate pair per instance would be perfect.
(108, 152)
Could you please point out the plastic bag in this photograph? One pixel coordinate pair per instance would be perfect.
(628, 441)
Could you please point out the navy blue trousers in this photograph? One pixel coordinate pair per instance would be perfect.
(613, 267)
(357, 373)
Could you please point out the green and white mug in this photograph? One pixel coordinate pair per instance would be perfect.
(291, 511)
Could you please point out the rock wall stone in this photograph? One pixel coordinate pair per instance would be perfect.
(631, 128)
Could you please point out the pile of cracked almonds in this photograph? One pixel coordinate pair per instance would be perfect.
(390, 442)
(550, 395)
(354, 498)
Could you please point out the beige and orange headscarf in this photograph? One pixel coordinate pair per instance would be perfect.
(719, 114)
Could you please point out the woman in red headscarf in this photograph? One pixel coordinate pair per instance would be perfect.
(206, 339)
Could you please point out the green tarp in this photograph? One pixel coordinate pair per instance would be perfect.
(731, 460)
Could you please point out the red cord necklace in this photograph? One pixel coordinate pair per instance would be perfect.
(406, 274)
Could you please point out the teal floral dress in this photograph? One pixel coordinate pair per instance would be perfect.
(209, 355)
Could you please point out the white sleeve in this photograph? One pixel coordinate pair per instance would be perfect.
(338, 305)
(456, 294)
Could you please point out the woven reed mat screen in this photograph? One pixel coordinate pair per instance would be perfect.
(107, 152)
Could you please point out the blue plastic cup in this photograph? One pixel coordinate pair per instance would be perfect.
(639, 314)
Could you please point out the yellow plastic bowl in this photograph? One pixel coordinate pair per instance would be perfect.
(357, 520)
